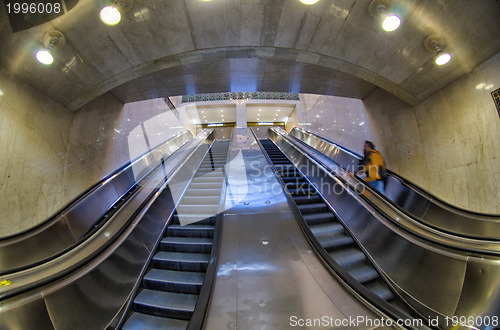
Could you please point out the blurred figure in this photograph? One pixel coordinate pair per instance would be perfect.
(373, 165)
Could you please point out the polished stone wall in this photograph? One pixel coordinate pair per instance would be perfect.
(52, 155)
(34, 134)
(448, 144)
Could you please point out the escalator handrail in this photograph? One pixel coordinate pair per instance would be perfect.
(93, 247)
(103, 181)
(334, 268)
(406, 182)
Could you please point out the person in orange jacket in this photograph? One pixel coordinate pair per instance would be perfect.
(373, 165)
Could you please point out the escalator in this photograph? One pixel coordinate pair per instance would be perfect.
(328, 230)
(170, 288)
(404, 195)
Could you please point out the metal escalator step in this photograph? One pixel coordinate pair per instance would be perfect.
(287, 179)
(330, 243)
(173, 281)
(302, 185)
(209, 210)
(186, 244)
(327, 229)
(314, 219)
(380, 289)
(169, 304)
(191, 262)
(208, 180)
(203, 192)
(306, 199)
(312, 208)
(362, 273)
(193, 230)
(204, 185)
(140, 321)
(215, 174)
(194, 219)
(205, 200)
(302, 192)
(348, 257)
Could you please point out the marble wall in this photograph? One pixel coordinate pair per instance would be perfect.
(52, 155)
(34, 135)
(448, 144)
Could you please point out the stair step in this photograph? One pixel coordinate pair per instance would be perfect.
(203, 192)
(169, 304)
(327, 229)
(173, 281)
(139, 321)
(319, 218)
(195, 209)
(306, 199)
(312, 208)
(194, 219)
(190, 230)
(205, 185)
(331, 243)
(205, 200)
(186, 244)
(191, 262)
(348, 257)
(380, 289)
(363, 273)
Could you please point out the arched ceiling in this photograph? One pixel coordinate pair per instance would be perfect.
(173, 47)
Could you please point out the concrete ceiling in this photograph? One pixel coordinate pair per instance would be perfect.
(164, 48)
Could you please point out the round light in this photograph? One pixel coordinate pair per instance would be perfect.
(443, 58)
(44, 57)
(110, 15)
(391, 23)
(309, 2)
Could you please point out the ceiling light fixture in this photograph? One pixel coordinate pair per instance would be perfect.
(112, 14)
(52, 40)
(433, 45)
(309, 2)
(379, 9)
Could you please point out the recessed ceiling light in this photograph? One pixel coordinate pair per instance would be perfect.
(202, 111)
(222, 111)
(222, 115)
(443, 58)
(260, 109)
(110, 15)
(44, 57)
(205, 121)
(279, 110)
(391, 23)
(309, 2)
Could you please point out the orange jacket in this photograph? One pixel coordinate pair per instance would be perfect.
(371, 164)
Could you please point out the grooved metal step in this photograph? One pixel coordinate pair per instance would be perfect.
(140, 321)
(169, 304)
(186, 244)
(190, 262)
(176, 281)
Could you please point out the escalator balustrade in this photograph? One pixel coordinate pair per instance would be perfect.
(169, 290)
